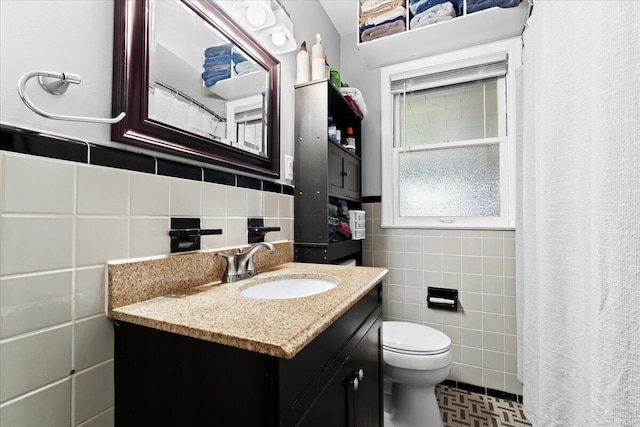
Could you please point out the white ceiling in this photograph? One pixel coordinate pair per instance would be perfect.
(343, 14)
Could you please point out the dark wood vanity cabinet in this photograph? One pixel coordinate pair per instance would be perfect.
(352, 397)
(164, 379)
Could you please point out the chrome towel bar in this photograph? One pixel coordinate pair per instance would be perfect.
(56, 84)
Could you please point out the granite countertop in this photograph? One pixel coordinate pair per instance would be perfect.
(217, 312)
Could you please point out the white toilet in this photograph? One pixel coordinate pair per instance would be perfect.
(416, 358)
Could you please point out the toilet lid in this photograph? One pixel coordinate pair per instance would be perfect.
(412, 338)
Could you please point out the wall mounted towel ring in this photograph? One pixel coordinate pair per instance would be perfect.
(56, 84)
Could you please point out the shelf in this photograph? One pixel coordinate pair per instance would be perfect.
(322, 253)
(238, 87)
(331, 89)
(464, 31)
(334, 142)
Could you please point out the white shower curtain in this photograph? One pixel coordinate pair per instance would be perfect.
(578, 234)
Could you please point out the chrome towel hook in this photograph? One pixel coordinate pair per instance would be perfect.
(56, 84)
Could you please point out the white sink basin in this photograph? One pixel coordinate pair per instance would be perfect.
(288, 288)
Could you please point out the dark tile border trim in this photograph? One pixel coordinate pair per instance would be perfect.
(25, 141)
(483, 390)
(288, 190)
(104, 156)
(247, 182)
(179, 170)
(218, 177)
(372, 199)
(38, 144)
(272, 187)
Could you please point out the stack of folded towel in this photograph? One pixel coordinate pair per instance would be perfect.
(427, 12)
(355, 99)
(476, 5)
(339, 229)
(242, 66)
(217, 64)
(380, 18)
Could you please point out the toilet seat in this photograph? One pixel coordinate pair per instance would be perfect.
(412, 338)
(413, 346)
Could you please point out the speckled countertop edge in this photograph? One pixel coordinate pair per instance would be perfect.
(217, 312)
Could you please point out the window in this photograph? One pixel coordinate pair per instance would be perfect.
(447, 141)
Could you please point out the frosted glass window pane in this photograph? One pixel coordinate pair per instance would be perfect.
(461, 181)
(448, 114)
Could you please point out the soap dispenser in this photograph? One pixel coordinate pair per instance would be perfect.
(317, 59)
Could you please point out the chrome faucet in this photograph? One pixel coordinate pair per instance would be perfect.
(240, 266)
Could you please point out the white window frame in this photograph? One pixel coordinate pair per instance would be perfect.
(478, 55)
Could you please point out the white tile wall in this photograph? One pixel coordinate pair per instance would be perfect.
(60, 223)
(31, 361)
(49, 406)
(480, 264)
(149, 194)
(93, 391)
(34, 302)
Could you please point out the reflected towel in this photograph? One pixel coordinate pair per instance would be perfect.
(246, 67)
(217, 60)
(214, 51)
(438, 13)
(476, 5)
(236, 57)
(217, 67)
(356, 96)
(212, 77)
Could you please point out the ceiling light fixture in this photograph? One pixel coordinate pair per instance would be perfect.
(278, 38)
(254, 15)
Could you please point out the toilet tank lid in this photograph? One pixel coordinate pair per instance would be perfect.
(412, 337)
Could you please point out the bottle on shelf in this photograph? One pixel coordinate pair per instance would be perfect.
(303, 65)
(334, 77)
(332, 130)
(350, 141)
(317, 60)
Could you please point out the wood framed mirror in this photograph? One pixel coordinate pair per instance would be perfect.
(194, 84)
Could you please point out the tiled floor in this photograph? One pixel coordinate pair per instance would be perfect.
(465, 408)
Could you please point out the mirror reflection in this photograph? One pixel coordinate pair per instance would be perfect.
(201, 83)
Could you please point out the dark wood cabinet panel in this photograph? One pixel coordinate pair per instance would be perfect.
(323, 169)
(344, 174)
(165, 379)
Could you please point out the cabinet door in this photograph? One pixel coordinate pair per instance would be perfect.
(367, 360)
(344, 173)
(351, 173)
(336, 177)
(332, 406)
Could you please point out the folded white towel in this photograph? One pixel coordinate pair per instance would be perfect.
(357, 97)
(438, 13)
(369, 5)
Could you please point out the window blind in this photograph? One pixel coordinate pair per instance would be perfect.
(494, 68)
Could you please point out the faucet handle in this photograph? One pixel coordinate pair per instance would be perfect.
(245, 259)
(230, 271)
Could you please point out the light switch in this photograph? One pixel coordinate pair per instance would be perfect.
(288, 167)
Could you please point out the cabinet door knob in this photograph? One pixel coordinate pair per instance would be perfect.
(361, 374)
(355, 384)
(346, 173)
